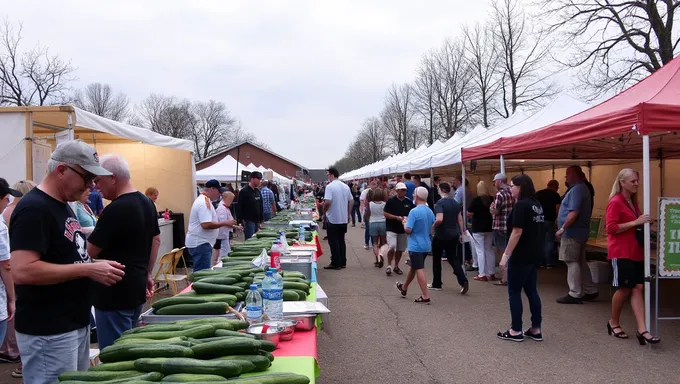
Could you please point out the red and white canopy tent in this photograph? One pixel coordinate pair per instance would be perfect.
(643, 118)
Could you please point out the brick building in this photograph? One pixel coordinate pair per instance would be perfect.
(248, 152)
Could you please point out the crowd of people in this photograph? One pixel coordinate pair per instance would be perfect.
(517, 226)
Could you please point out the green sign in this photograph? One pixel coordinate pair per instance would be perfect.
(594, 227)
(669, 237)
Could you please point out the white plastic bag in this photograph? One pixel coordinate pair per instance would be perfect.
(262, 261)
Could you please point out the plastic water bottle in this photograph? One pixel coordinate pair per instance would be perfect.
(253, 305)
(301, 234)
(272, 288)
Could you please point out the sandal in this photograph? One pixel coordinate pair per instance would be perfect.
(422, 300)
(400, 287)
(398, 271)
(18, 373)
(381, 262)
(647, 340)
(612, 331)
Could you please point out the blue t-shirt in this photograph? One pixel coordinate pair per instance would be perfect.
(410, 187)
(420, 220)
(95, 202)
(577, 199)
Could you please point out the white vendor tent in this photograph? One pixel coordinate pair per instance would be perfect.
(223, 171)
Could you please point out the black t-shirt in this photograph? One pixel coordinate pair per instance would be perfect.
(481, 216)
(356, 196)
(528, 215)
(250, 205)
(49, 227)
(549, 200)
(397, 207)
(124, 233)
(448, 229)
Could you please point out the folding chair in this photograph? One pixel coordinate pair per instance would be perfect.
(166, 270)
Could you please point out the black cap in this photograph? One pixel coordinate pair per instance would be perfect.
(5, 189)
(256, 175)
(215, 184)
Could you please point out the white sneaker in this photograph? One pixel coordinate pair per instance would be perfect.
(431, 288)
(388, 270)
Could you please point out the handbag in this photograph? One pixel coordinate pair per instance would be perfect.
(640, 229)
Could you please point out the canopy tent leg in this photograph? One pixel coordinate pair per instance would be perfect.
(502, 165)
(462, 176)
(646, 172)
(238, 161)
(432, 178)
(553, 172)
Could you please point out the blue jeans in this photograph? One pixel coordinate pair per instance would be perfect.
(367, 237)
(250, 229)
(44, 358)
(201, 256)
(523, 277)
(549, 246)
(112, 324)
(267, 216)
(3, 329)
(356, 213)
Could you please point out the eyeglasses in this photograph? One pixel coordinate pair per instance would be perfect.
(87, 177)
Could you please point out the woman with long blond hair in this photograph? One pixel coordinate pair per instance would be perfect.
(624, 223)
(23, 186)
(482, 233)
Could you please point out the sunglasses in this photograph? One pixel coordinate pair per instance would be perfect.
(87, 177)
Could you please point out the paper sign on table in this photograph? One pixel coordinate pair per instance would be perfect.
(299, 307)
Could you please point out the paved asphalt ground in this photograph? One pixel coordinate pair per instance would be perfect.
(373, 336)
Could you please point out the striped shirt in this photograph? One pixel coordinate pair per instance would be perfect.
(267, 200)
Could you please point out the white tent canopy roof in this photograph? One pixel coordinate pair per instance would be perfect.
(422, 161)
(223, 170)
(101, 124)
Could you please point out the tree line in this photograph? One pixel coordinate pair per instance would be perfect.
(35, 76)
(492, 68)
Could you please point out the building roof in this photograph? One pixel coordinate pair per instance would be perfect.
(256, 146)
(318, 175)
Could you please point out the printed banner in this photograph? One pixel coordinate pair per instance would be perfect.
(669, 237)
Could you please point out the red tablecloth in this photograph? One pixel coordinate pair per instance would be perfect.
(303, 344)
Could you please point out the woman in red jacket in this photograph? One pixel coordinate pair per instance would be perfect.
(623, 220)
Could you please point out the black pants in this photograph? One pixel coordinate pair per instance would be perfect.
(336, 240)
(464, 247)
(453, 255)
(356, 213)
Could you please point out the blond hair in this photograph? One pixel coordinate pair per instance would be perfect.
(483, 189)
(624, 174)
(24, 186)
(151, 191)
(227, 194)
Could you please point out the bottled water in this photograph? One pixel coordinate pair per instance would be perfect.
(301, 234)
(272, 289)
(253, 305)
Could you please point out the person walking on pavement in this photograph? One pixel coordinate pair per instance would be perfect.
(52, 270)
(463, 196)
(482, 235)
(448, 231)
(396, 209)
(127, 232)
(500, 211)
(365, 199)
(337, 205)
(573, 220)
(550, 201)
(418, 225)
(521, 259)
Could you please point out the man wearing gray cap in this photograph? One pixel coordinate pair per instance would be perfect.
(52, 270)
(500, 210)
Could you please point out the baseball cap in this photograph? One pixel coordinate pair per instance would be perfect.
(422, 193)
(500, 176)
(6, 190)
(256, 175)
(400, 186)
(80, 153)
(214, 184)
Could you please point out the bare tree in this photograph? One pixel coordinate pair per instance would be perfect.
(212, 130)
(482, 54)
(397, 115)
(167, 116)
(453, 87)
(32, 77)
(426, 97)
(616, 43)
(100, 99)
(524, 55)
(372, 136)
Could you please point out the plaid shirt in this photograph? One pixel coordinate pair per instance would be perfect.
(267, 199)
(503, 203)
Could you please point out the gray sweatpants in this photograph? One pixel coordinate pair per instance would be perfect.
(44, 358)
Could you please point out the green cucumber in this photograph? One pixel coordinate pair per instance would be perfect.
(197, 332)
(240, 296)
(248, 280)
(273, 378)
(261, 363)
(191, 378)
(98, 375)
(302, 294)
(266, 354)
(232, 346)
(220, 280)
(162, 303)
(222, 368)
(171, 340)
(267, 345)
(214, 297)
(291, 285)
(150, 364)
(289, 295)
(202, 288)
(214, 308)
(243, 284)
(117, 366)
(132, 352)
(225, 333)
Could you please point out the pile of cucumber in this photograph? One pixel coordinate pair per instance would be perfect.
(189, 351)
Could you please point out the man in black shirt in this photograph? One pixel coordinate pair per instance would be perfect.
(435, 190)
(250, 210)
(396, 209)
(52, 270)
(127, 232)
(420, 183)
(550, 201)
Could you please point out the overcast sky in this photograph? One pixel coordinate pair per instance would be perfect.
(301, 75)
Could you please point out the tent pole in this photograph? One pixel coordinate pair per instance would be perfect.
(590, 171)
(553, 172)
(647, 198)
(661, 172)
(432, 176)
(462, 174)
(238, 160)
(502, 164)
